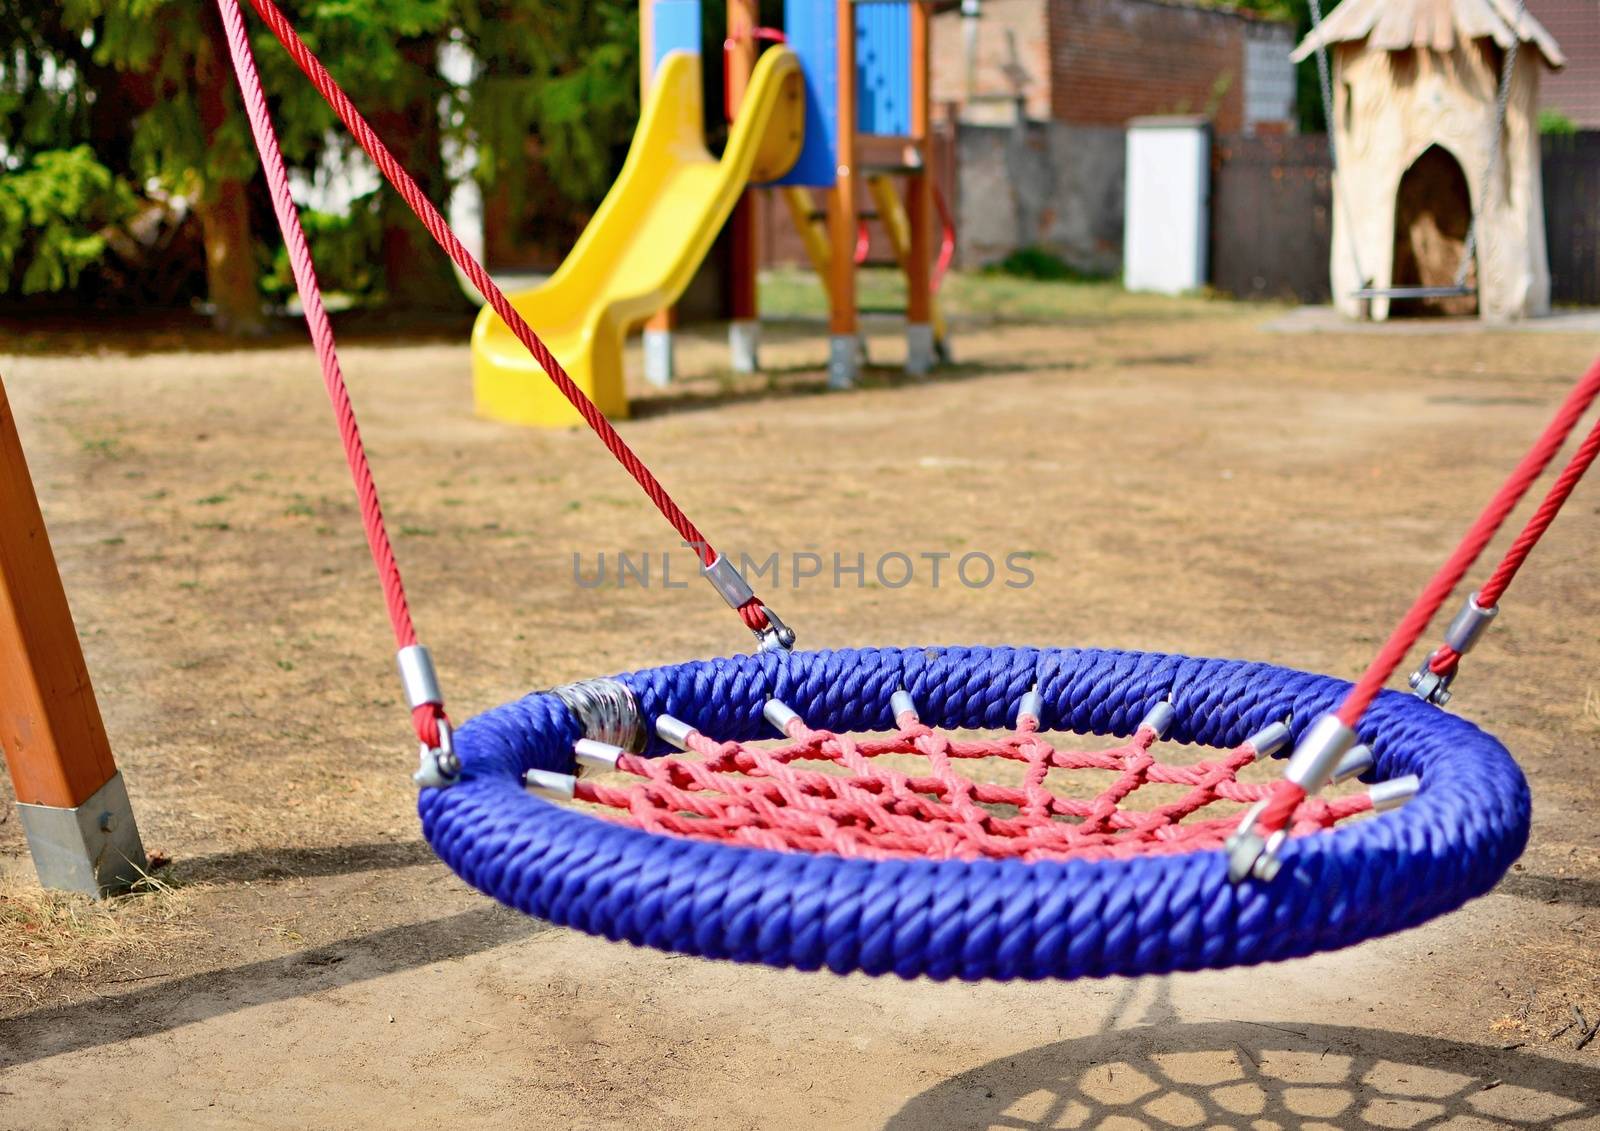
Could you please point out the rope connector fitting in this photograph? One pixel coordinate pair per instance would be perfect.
(593, 756)
(1429, 685)
(777, 636)
(1318, 753)
(439, 766)
(780, 715)
(1269, 739)
(548, 783)
(674, 732)
(1315, 761)
(1464, 632)
(1251, 853)
(903, 709)
(1031, 707)
(1393, 793)
(1357, 762)
(726, 579)
(1159, 719)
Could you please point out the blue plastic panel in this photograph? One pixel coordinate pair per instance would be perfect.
(813, 30)
(676, 28)
(883, 69)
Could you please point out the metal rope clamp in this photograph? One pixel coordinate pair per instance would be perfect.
(439, 765)
(1464, 631)
(726, 579)
(1318, 759)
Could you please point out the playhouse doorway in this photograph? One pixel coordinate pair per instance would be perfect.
(1432, 216)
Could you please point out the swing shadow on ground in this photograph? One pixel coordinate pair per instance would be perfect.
(1242, 1074)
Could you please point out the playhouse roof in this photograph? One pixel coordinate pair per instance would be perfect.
(1436, 25)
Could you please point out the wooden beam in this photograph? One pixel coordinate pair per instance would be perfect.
(50, 727)
(842, 210)
(919, 203)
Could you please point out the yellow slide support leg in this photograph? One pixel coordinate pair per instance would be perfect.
(892, 211)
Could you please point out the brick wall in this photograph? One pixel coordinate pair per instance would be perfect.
(1112, 60)
(1012, 47)
(1575, 90)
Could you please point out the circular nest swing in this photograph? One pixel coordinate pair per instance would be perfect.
(825, 851)
(1081, 889)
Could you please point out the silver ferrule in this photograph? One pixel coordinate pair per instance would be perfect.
(1269, 739)
(674, 731)
(1357, 762)
(1031, 707)
(547, 783)
(1394, 793)
(780, 715)
(901, 704)
(418, 677)
(1470, 623)
(1159, 718)
(596, 757)
(728, 581)
(1318, 752)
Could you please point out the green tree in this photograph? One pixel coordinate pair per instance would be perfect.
(385, 53)
(147, 86)
(565, 72)
(160, 67)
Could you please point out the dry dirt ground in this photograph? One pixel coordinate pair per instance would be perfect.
(1184, 479)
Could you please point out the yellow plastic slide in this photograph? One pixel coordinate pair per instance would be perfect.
(642, 247)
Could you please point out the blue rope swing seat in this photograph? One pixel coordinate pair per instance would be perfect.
(979, 918)
(826, 851)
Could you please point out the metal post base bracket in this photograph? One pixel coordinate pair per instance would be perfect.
(744, 343)
(660, 366)
(93, 848)
(920, 352)
(844, 362)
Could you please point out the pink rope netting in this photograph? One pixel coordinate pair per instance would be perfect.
(769, 797)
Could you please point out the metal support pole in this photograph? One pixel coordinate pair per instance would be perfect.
(70, 798)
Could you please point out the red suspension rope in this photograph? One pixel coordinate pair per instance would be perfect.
(426, 717)
(1446, 659)
(751, 612)
(1439, 588)
(1287, 795)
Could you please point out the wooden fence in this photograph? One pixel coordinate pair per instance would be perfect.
(1271, 217)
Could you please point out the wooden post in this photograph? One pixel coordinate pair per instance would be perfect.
(844, 340)
(744, 16)
(71, 801)
(919, 204)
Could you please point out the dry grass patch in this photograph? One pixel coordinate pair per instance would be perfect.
(47, 936)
